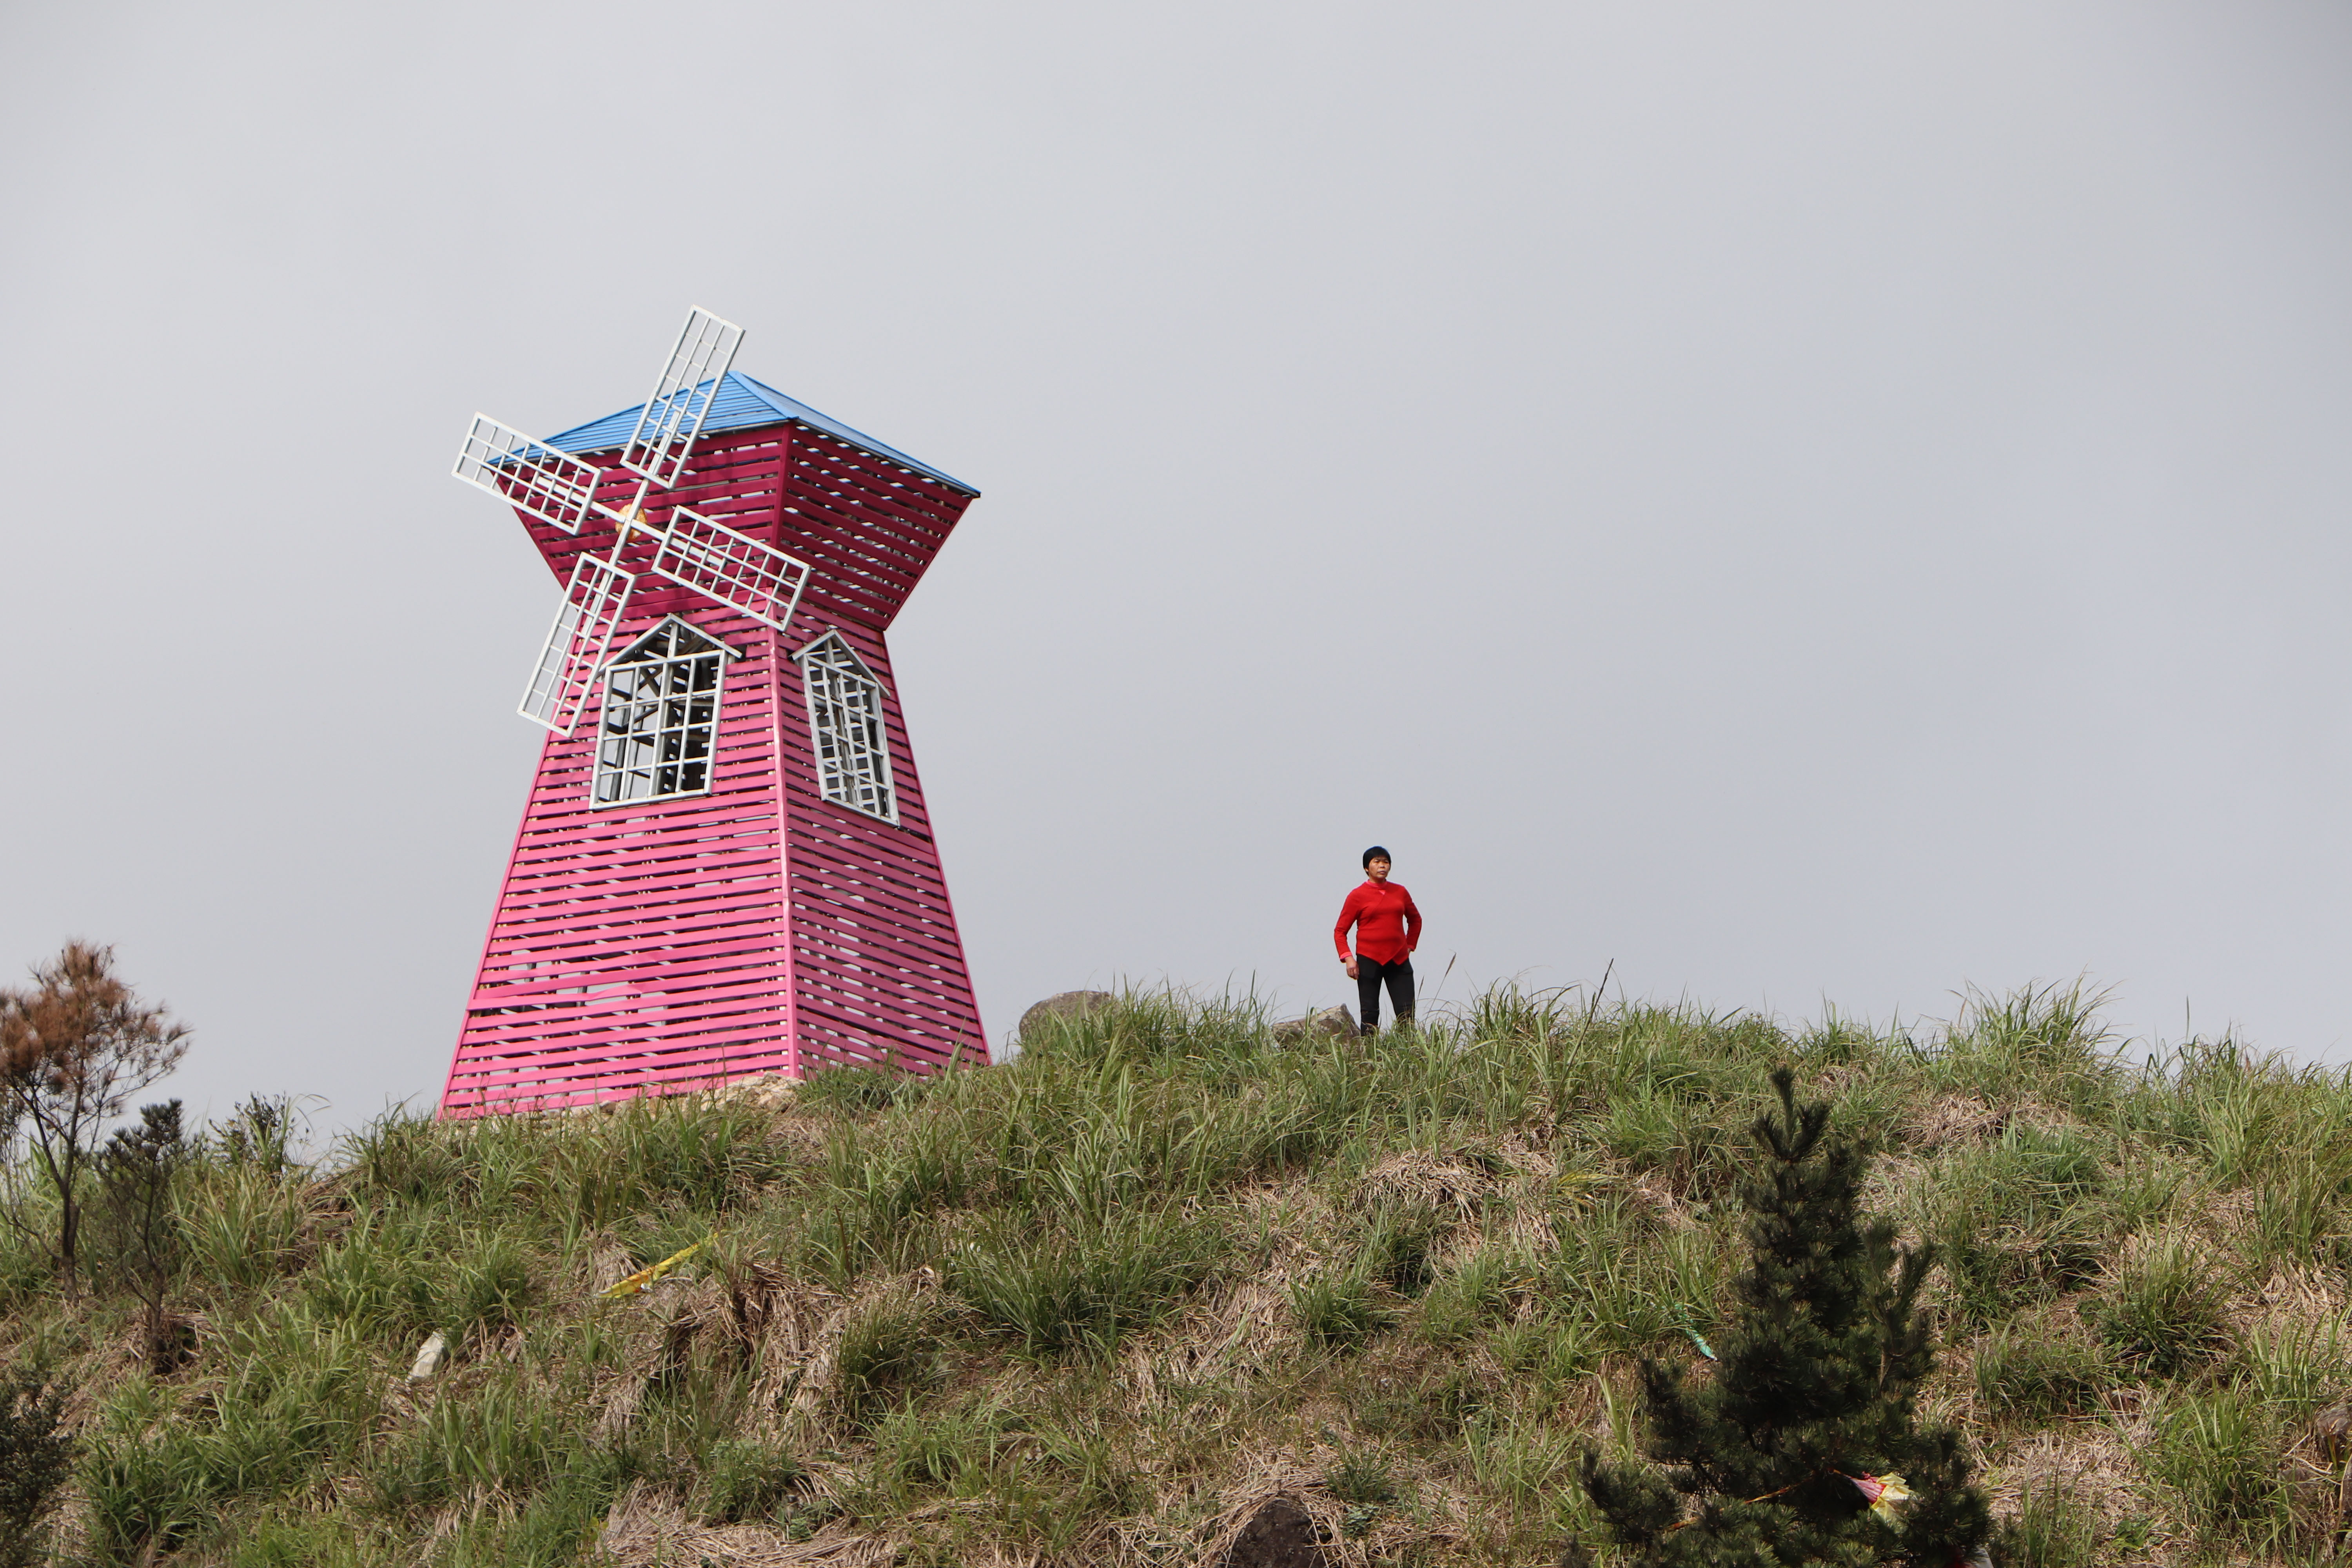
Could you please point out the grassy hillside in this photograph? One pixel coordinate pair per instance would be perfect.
(1092, 1307)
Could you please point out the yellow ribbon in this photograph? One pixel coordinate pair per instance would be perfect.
(643, 1278)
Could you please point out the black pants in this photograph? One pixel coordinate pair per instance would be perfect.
(1371, 975)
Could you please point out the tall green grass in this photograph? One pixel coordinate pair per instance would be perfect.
(1070, 1307)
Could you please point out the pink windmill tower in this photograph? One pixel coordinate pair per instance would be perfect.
(726, 866)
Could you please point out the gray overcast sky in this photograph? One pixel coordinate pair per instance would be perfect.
(1825, 501)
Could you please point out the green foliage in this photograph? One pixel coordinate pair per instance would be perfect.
(244, 1226)
(1081, 1287)
(37, 1458)
(396, 1277)
(1084, 1459)
(887, 1350)
(2018, 1222)
(2295, 1365)
(76, 1046)
(1063, 1307)
(407, 1159)
(853, 1092)
(291, 1539)
(942, 1449)
(1820, 1370)
(1363, 1476)
(556, 1524)
(2048, 1036)
(1401, 1245)
(381, 1276)
(165, 1461)
(1481, 1293)
(591, 1170)
(1628, 1282)
(1549, 1354)
(139, 1235)
(1339, 1311)
(2029, 1370)
(748, 1481)
(258, 1136)
(2055, 1527)
(505, 1437)
(2163, 1307)
(490, 1287)
(2299, 1211)
(2223, 1450)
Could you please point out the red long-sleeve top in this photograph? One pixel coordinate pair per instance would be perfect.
(1387, 925)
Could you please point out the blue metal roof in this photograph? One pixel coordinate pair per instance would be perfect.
(742, 404)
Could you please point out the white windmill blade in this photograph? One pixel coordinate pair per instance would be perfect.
(738, 570)
(673, 416)
(552, 486)
(576, 644)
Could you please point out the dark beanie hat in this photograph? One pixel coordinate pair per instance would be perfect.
(1377, 853)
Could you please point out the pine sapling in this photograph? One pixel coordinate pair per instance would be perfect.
(1805, 1447)
(136, 1171)
(37, 1458)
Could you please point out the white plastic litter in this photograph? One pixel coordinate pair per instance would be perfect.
(429, 1357)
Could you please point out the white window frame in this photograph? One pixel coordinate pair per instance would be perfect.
(624, 766)
(849, 729)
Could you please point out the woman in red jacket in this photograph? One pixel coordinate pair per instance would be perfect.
(1388, 928)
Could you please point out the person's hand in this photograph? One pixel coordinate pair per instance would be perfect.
(1351, 969)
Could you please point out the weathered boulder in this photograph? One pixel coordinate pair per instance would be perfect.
(1279, 1535)
(1335, 1021)
(1069, 1004)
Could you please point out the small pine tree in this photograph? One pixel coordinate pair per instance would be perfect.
(1816, 1391)
(139, 1229)
(37, 1458)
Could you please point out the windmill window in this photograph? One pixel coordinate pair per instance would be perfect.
(852, 748)
(660, 719)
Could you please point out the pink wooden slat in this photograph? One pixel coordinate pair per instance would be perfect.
(866, 1048)
(868, 866)
(643, 917)
(651, 991)
(938, 961)
(890, 1009)
(917, 947)
(706, 927)
(829, 972)
(610, 1071)
(566, 989)
(589, 1048)
(609, 1061)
